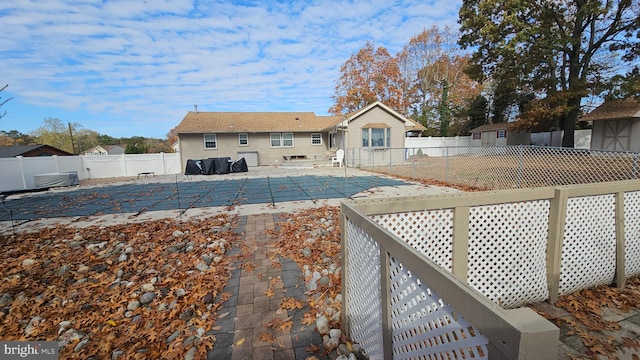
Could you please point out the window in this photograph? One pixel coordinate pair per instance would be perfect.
(281, 139)
(316, 139)
(243, 139)
(477, 136)
(275, 140)
(376, 137)
(501, 134)
(287, 139)
(210, 141)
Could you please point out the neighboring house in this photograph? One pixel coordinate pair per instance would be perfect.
(31, 151)
(616, 125)
(105, 150)
(269, 138)
(499, 135)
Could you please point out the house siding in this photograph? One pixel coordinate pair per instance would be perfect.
(374, 155)
(192, 147)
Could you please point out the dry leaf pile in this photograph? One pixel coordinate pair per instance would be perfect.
(312, 239)
(586, 319)
(146, 290)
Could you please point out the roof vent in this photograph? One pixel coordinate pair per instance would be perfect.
(195, 107)
(298, 121)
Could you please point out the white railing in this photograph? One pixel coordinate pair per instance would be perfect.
(508, 248)
(18, 173)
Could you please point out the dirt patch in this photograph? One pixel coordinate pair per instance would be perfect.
(106, 181)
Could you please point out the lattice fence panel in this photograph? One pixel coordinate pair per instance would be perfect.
(589, 245)
(507, 252)
(632, 233)
(429, 232)
(425, 327)
(364, 305)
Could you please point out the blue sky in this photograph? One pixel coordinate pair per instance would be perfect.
(135, 67)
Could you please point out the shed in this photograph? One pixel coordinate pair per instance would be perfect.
(499, 135)
(616, 125)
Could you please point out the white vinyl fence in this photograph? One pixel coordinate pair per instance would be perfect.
(18, 173)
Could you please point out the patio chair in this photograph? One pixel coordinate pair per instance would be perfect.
(338, 158)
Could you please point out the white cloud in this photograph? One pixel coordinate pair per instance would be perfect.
(135, 60)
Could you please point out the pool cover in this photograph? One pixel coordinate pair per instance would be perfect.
(139, 198)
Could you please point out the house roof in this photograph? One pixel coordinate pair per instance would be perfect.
(233, 122)
(615, 109)
(410, 125)
(492, 127)
(18, 150)
(375, 126)
(104, 147)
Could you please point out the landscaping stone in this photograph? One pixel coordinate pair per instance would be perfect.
(147, 297)
(172, 337)
(133, 305)
(28, 262)
(6, 299)
(323, 325)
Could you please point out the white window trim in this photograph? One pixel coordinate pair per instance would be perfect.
(247, 136)
(292, 140)
(386, 138)
(281, 140)
(215, 141)
(318, 135)
(271, 140)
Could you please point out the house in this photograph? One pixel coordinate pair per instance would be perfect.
(271, 138)
(175, 147)
(105, 150)
(31, 151)
(499, 135)
(616, 125)
(371, 132)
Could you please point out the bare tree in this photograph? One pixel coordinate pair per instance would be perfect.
(2, 102)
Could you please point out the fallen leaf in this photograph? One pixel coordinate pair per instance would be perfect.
(266, 337)
(240, 342)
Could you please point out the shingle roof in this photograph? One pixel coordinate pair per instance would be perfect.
(199, 122)
(375, 126)
(615, 109)
(13, 151)
(492, 127)
(410, 124)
